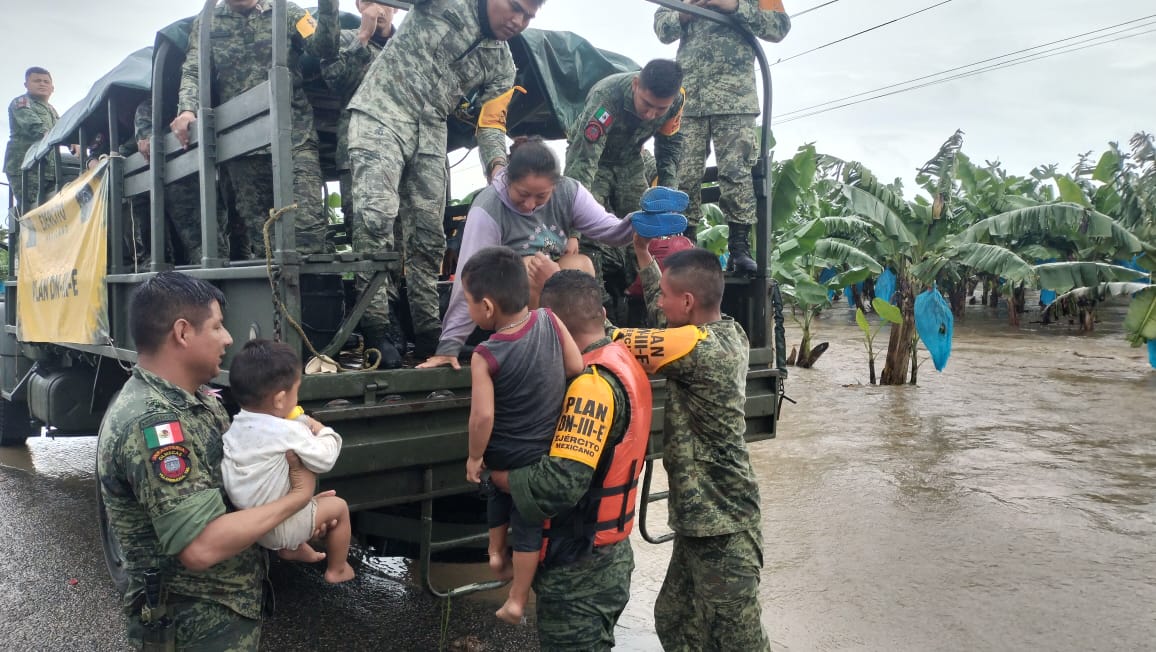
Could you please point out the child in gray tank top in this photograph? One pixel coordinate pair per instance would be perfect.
(518, 383)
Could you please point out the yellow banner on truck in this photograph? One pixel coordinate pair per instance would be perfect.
(61, 295)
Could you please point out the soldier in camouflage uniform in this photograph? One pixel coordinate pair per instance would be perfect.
(581, 592)
(30, 116)
(721, 106)
(622, 112)
(158, 468)
(397, 140)
(182, 199)
(345, 57)
(709, 599)
(242, 43)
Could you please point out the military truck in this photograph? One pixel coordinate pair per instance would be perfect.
(66, 349)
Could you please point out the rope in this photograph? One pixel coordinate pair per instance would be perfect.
(274, 215)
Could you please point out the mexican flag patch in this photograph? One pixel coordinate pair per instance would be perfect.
(603, 117)
(164, 434)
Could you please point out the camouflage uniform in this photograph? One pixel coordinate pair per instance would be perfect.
(28, 120)
(709, 599)
(721, 102)
(344, 62)
(397, 142)
(183, 203)
(578, 603)
(604, 154)
(242, 53)
(160, 494)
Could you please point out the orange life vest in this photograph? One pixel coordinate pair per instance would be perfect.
(605, 515)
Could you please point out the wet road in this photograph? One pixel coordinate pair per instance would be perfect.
(1005, 504)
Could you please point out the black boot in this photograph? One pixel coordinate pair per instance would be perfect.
(425, 344)
(739, 244)
(387, 345)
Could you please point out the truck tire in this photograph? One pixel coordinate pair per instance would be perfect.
(15, 425)
(113, 557)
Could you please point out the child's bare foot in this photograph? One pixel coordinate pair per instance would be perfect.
(512, 612)
(500, 564)
(343, 573)
(304, 552)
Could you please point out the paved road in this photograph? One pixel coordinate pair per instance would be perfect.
(55, 593)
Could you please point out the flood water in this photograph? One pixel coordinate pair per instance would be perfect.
(1004, 504)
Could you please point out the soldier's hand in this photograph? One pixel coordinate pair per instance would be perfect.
(302, 481)
(144, 146)
(371, 15)
(180, 126)
(441, 361)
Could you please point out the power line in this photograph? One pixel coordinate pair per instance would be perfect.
(981, 61)
(807, 11)
(860, 33)
(1006, 64)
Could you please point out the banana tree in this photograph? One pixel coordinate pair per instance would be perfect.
(799, 261)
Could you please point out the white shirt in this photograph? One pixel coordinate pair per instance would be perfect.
(254, 468)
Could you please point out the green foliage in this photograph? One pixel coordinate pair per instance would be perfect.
(887, 311)
(1140, 322)
(1065, 276)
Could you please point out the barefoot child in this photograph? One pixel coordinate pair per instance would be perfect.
(519, 381)
(265, 377)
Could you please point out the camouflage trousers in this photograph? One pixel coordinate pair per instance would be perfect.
(39, 190)
(734, 152)
(710, 597)
(204, 626)
(182, 206)
(579, 603)
(618, 188)
(248, 182)
(400, 169)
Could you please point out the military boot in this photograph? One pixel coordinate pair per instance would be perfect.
(425, 344)
(739, 244)
(381, 340)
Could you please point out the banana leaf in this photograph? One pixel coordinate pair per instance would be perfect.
(996, 260)
(934, 323)
(1067, 275)
(887, 311)
(887, 211)
(1053, 219)
(1140, 322)
(843, 252)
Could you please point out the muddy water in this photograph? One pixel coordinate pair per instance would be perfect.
(1005, 504)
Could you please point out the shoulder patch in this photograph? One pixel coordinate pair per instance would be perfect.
(603, 117)
(163, 433)
(584, 425)
(21, 102)
(171, 463)
(307, 25)
(593, 131)
(654, 348)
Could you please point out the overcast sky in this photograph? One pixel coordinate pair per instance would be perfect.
(1041, 112)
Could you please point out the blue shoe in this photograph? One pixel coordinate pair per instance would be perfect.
(657, 225)
(661, 199)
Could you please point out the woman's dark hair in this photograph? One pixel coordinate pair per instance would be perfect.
(262, 369)
(532, 156)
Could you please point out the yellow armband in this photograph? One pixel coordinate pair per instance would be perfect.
(307, 25)
(772, 5)
(584, 425)
(493, 113)
(654, 348)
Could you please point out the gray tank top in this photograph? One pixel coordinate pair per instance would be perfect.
(529, 385)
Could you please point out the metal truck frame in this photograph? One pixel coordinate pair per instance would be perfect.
(405, 430)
